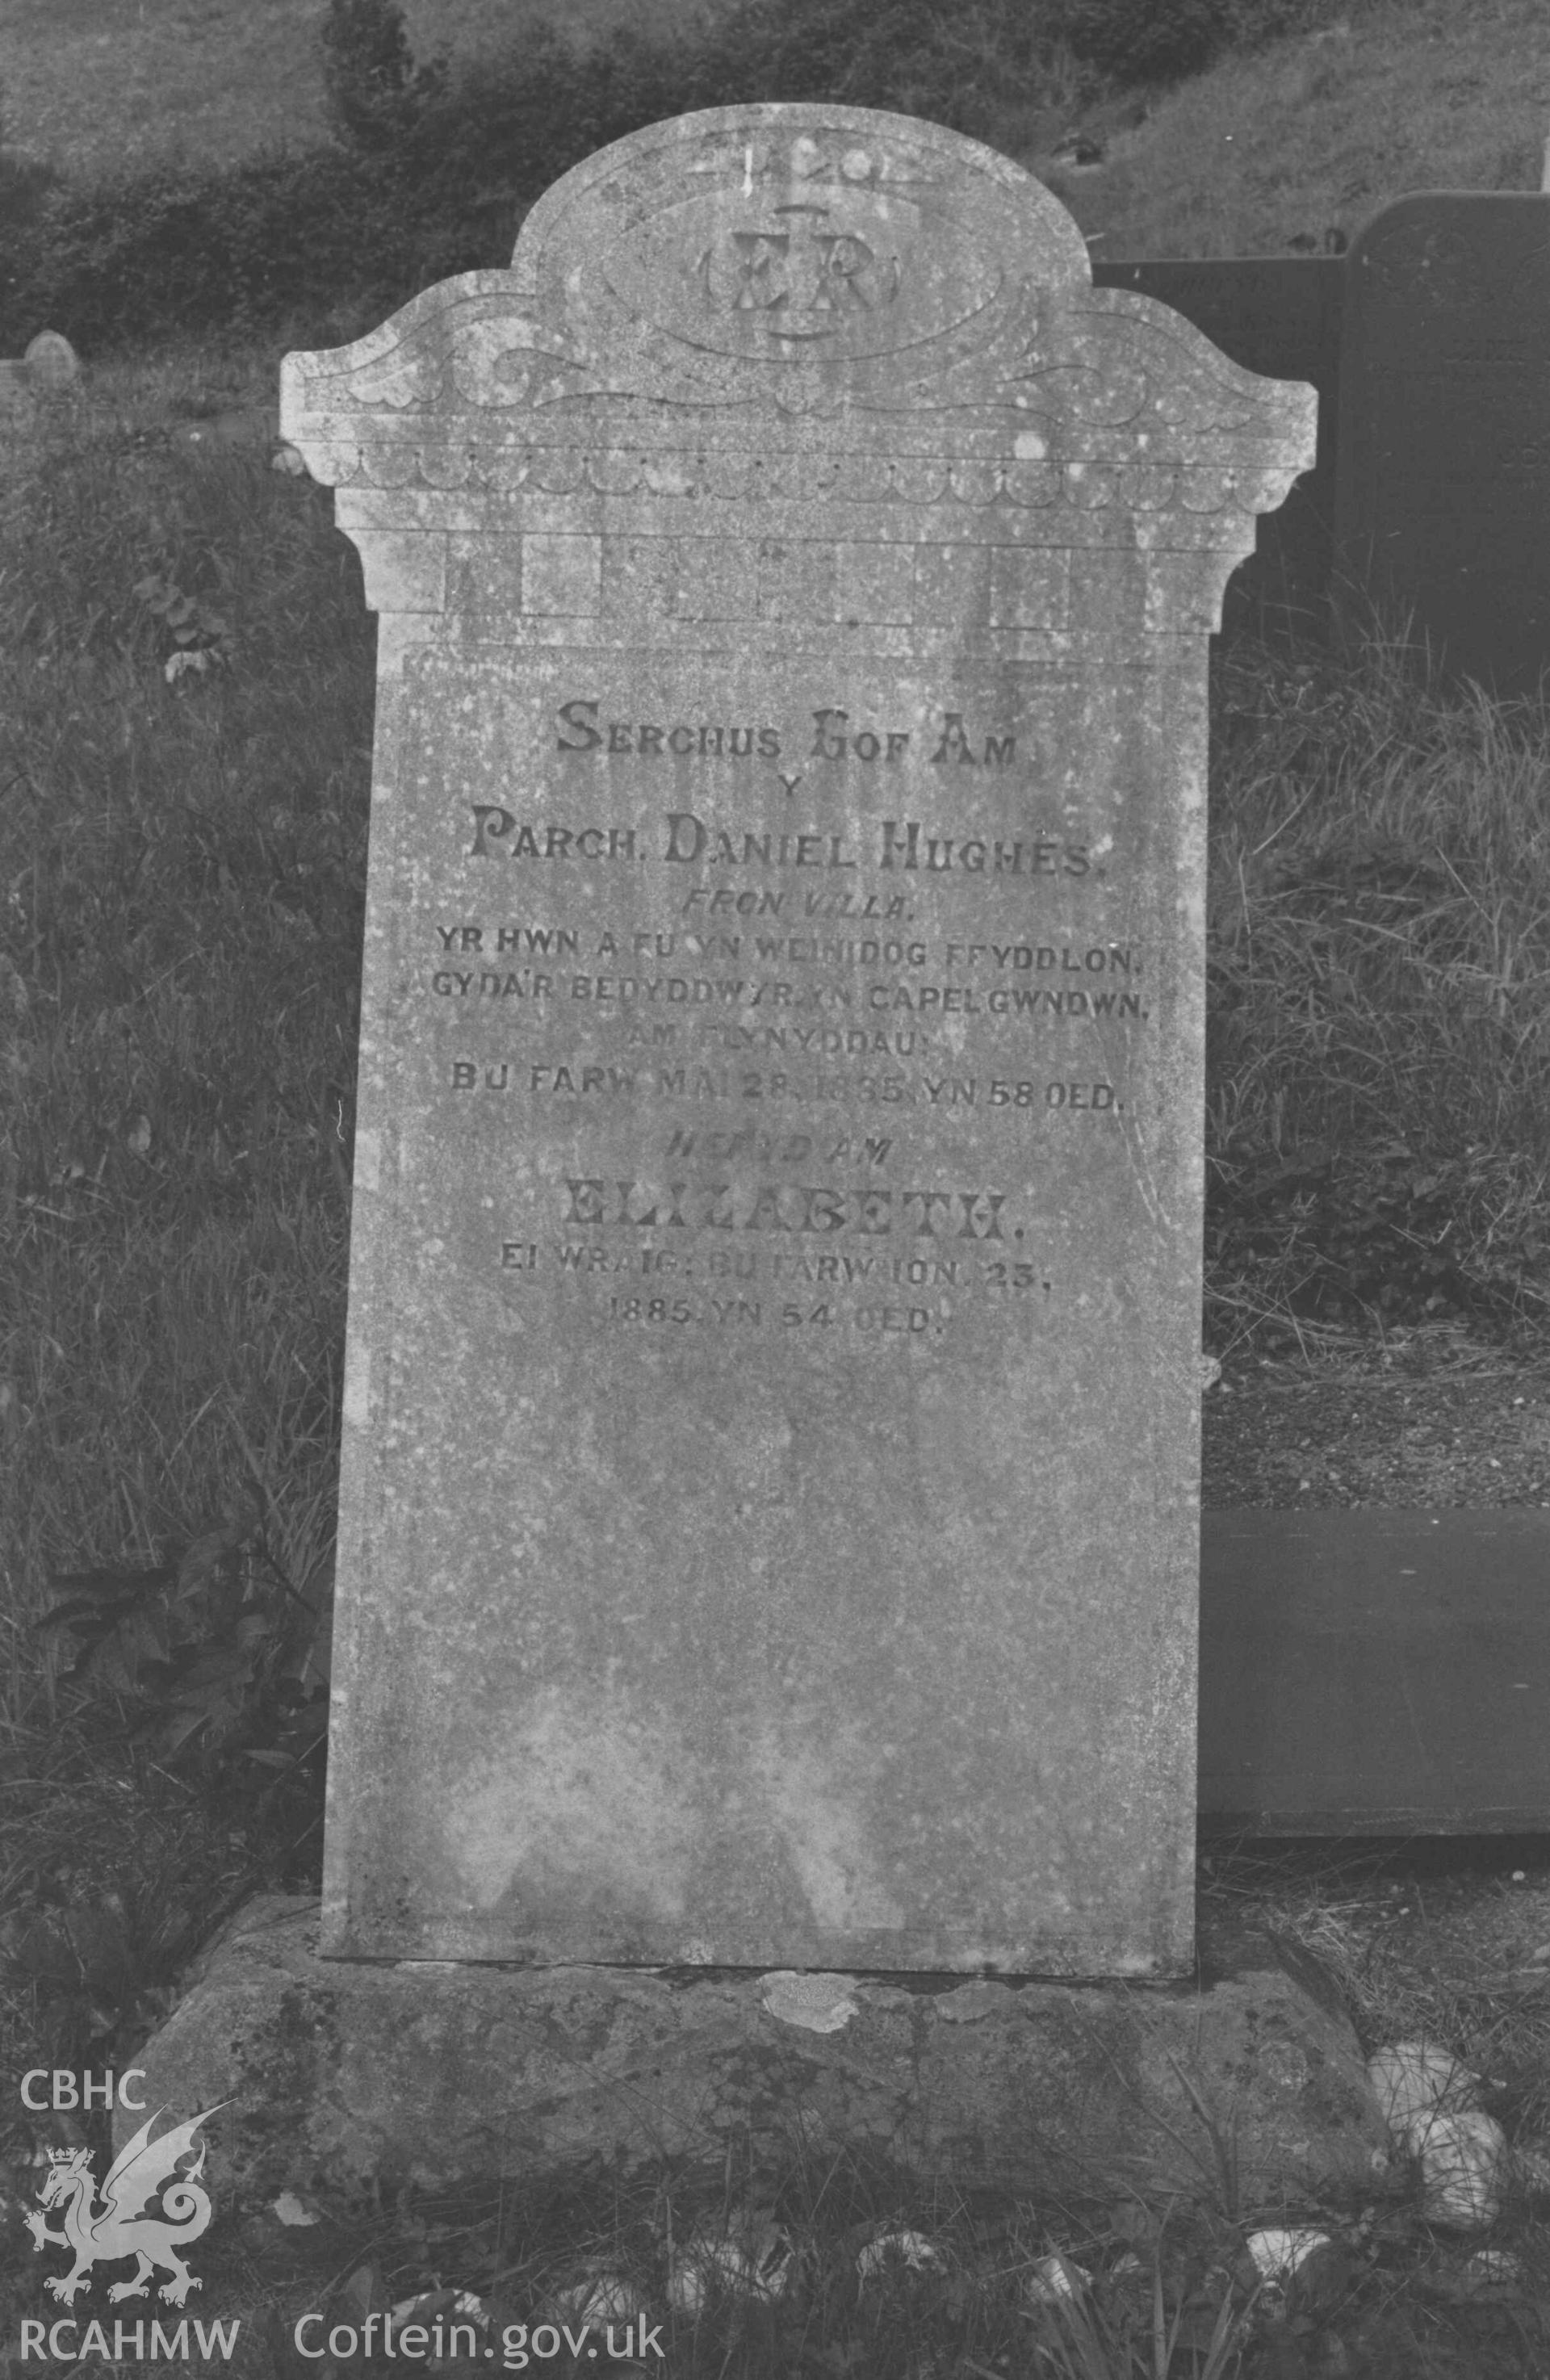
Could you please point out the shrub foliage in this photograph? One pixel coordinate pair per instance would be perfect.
(377, 94)
(431, 169)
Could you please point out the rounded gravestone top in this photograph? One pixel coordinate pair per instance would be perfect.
(51, 361)
(797, 235)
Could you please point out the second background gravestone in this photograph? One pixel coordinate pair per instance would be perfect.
(768, 1528)
(1442, 520)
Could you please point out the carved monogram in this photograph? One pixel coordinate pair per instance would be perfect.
(804, 271)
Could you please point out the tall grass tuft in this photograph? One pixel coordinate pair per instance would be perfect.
(1378, 1053)
(184, 780)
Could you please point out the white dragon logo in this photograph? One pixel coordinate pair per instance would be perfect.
(125, 2225)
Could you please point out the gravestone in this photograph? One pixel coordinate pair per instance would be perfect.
(49, 369)
(1279, 315)
(1443, 454)
(1374, 1672)
(768, 1527)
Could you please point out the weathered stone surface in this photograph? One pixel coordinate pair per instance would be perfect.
(769, 1529)
(1278, 315)
(1443, 466)
(337, 2074)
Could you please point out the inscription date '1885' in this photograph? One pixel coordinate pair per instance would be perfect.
(699, 1283)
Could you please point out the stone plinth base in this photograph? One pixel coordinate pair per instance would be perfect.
(335, 2077)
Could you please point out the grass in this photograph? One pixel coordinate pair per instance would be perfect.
(98, 86)
(1318, 131)
(112, 242)
(801, 2261)
(181, 896)
(172, 167)
(1379, 1010)
(1393, 96)
(182, 907)
(829, 2264)
(817, 2265)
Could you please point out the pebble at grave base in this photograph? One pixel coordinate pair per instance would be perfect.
(769, 1524)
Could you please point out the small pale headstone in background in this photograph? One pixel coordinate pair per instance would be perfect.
(769, 1531)
(49, 368)
(51, 361)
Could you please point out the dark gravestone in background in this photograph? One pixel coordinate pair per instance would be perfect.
(1443, 483)
(1279, 316)
(1376, 1672)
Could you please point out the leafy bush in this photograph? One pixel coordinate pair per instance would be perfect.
(24, 184)
(219, 1654)
(480, 145)
(510, 125)
(114, 1878)
(1137, 41)
(377, 94)
(189, 248)
(1134, 41)
(964, 67)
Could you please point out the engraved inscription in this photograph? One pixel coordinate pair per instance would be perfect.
(719, 980)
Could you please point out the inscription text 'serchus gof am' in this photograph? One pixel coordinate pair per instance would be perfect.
(768, 1528)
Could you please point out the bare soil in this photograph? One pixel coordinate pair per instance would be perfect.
(1443, 1415)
